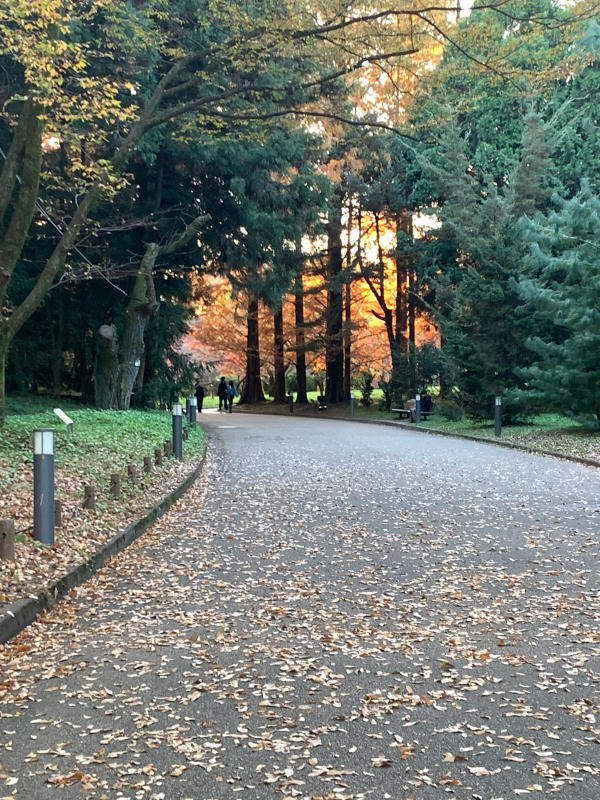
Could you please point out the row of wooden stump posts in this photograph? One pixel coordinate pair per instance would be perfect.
(48, 510)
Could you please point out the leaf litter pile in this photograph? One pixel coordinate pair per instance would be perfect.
(303, 625)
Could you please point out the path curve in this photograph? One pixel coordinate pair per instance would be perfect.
(334, 611)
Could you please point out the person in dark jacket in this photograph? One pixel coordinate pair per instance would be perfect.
(232, 392)
(222, 394)
(199, 396)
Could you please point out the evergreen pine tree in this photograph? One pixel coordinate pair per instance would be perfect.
(562, 301)
(483, 335)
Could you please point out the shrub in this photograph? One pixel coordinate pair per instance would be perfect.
(366, 388)
(386, 401)
(449, 410)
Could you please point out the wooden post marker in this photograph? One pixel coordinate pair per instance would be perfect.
(7, 539)
(89, 497)
(186, 433)
(132, 472)
(115, 485)
(147, 464)
(158, 456)
(168, 448)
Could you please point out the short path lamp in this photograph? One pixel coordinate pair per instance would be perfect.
(177, 431)
(417, 408)
(43, 485)
(498, 416)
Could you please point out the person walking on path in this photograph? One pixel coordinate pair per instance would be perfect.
(222, 394)
(232, 393)
(199, 396)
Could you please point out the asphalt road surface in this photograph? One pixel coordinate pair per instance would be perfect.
(335, 611)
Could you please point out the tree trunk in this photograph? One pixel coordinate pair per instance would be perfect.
(141, 309)
(19, 183)
(334, 345)
(348, 341)
(348, 309)
(279, 389)
(57, 336)
(139, 381)
(445, 390)
(253, 391)
(119, 380)
(301, 396)
(401, 370)
(83, 367)
(394, 320)
(130, 357)
(406, 224)
(399, 373)
(412, 341)
(399, 347)
(118, 363)
(106, 366)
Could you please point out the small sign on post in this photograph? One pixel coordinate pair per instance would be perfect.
(64, 418)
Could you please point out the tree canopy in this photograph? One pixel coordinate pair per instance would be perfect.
(145, 143)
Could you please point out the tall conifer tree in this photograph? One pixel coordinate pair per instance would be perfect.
(562, 301)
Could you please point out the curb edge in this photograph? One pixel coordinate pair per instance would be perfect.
(588, 462)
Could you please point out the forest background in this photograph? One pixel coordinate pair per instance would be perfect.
(304, 194)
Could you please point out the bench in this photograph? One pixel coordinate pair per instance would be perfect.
(410, 413)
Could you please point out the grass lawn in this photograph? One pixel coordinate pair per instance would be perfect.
(553, 433)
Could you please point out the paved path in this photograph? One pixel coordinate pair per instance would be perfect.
(304, 624)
